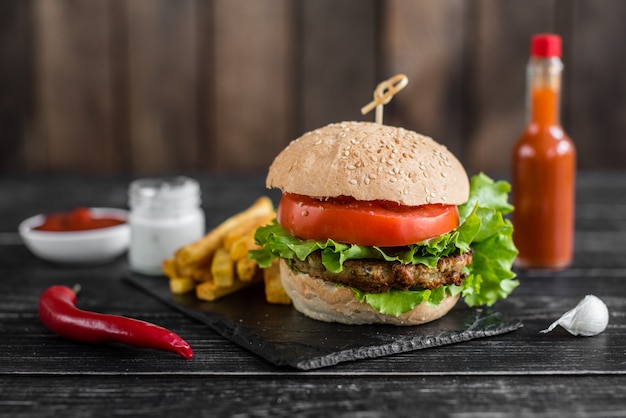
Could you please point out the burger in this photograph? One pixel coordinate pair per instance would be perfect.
(379, 224)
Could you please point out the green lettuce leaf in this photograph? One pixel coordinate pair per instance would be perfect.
(482, 228)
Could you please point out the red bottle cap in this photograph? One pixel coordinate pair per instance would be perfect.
(545, 45)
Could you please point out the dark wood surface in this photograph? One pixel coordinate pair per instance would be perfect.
(223, 85)
(522, 373)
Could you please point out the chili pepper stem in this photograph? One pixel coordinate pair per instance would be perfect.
(76, 288)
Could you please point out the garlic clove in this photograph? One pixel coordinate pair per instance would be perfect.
(590, 317)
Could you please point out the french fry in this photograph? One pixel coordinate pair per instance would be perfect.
(246, 228)
(274, 290)
(222, 268)
(178, 284)
(246, 269)
(218, 264)
(239, 249)
(210, 291)
(200, 273)
(181, 285)
(197, 251)
(169, 267)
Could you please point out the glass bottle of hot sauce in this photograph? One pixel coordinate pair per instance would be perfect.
(544, 167)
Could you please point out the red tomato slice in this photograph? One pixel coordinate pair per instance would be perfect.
(380, 223)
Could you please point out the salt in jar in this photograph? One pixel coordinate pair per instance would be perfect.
(165, 214)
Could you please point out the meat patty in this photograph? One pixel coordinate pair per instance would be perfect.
(378, 276)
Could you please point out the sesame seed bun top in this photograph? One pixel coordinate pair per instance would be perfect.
(369, 161)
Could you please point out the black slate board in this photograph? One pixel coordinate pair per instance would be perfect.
(285, 337)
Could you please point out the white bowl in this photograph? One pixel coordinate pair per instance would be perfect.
(80, 247)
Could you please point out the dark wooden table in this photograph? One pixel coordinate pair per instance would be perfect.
(522, 373)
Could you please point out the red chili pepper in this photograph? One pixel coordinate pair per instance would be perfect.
(58, 312)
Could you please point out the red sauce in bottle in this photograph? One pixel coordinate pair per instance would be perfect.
(79, 219)
(544, 168)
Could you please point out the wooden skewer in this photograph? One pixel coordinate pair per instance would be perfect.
(383, 94)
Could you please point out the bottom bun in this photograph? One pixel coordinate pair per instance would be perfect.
(325, 301)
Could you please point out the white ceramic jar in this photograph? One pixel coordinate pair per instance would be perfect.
(165, 214)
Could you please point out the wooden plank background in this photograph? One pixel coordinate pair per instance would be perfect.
(183, 86)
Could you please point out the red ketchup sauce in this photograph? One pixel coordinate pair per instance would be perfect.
(544, 168)
(79, 219)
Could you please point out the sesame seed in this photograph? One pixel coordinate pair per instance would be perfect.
(393, 179)
(353, 181)
(351, 167)
(305, 213)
